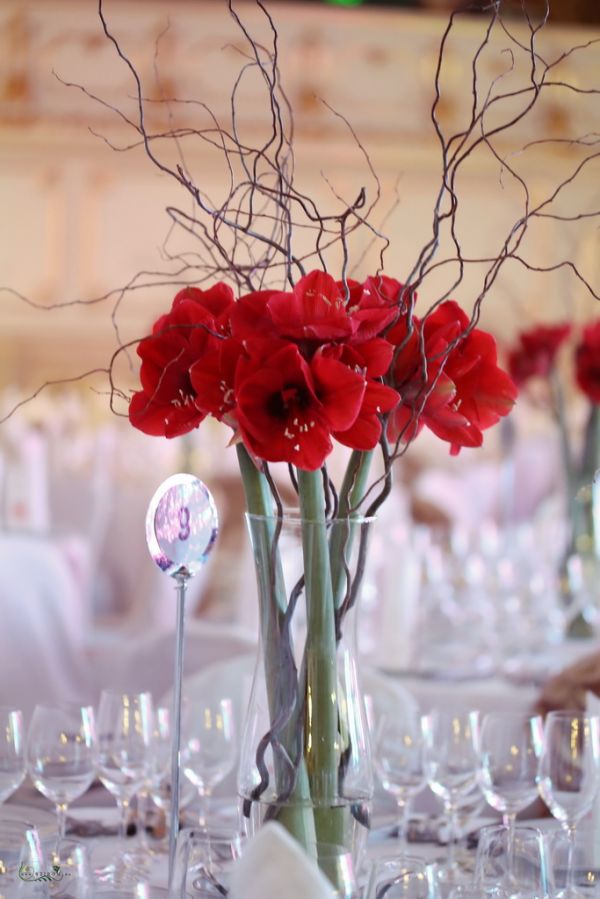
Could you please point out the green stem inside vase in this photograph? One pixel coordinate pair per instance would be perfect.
(296, 813)
(321, 704)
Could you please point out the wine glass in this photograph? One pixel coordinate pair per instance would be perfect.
(125, 725)
(399, 763)
(12, 751)
(158, 784)
(509, 746)
(569, 774)
(208, 747)
(61, 747)
(450, 761)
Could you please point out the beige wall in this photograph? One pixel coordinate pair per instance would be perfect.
(79, 219)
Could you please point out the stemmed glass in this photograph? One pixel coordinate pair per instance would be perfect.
(509, 746)
(125, 725)
(208, 746)
(569, 774)
(450, 762)
(399, 763)
(158, 785)
(61, 747)
(12, 751)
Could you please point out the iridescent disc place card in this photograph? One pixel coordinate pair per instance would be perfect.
(181, 525)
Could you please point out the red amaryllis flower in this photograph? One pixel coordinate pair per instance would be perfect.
(217, 301)
(536, 351)
(461, 391)
(425, 390)
(484, 392)
(379, 304)
(319, 311)
(287, 408)
(166, 404)
(587, 362)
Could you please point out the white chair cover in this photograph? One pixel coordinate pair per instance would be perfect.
(42, 631)
(147, 662)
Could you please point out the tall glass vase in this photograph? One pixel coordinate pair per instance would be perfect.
(583, 554)
(306, 759)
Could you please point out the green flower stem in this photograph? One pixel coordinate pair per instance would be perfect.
(352, 491)
(565, 445)
(322, 738)
(297, 818)
(354, 484)
(591, 449)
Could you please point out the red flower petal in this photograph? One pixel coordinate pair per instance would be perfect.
(163, 419)
(250, 316)
(380, 304)
(314, 310)
(339, 389)
(587, 359)
(213, 379)
(364, 434)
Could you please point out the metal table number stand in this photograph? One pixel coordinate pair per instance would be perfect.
(181, 530)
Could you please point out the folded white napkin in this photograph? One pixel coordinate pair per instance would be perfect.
(274, 866)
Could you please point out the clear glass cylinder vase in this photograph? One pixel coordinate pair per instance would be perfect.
(581, 568)
(306, 759)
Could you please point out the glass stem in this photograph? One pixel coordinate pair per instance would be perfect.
(452, 835)
(123, 806)
(509, 819)
(143, 797)
(570, 884)
(61, 819)
(204, 794)
(403, 809)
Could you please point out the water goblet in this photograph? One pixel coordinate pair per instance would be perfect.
(450, 761)
(399, 763)
(125, 724)
(61, 754)
(514, 860)
(569, 775)
(509, 746)
(391, 877)
(70, 859)
(208, 746)
(22, 862)
(12, 751)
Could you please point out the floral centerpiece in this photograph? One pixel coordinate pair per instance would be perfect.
(291, 372)
(535, 364)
